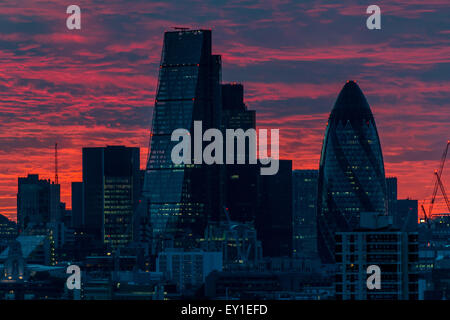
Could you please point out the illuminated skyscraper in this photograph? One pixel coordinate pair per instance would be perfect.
(351, 174)
(178, 200)
(111, 192)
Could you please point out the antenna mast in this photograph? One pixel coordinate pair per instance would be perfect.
(56, 163)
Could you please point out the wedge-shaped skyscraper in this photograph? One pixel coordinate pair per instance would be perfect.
(351, 174)
(179, 199)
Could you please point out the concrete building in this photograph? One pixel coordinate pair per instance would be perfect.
(376, 243)
(188, 269)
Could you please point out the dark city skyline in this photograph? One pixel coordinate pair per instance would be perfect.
(210, 152)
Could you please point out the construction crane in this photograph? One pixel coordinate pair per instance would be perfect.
(441, 186)
(56, 163)
(438, 184)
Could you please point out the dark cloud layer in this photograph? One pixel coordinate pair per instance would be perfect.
(96, 86)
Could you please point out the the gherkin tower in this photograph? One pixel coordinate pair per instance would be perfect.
(351, 174)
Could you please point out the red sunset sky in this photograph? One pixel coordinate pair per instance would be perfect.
(96, 86)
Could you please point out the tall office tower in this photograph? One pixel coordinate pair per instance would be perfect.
(38, 202)
(406, 218)
(391, 196)
(77, 205)
(375, 243)
(179, 199)
(351, 173)
(274, 216)
(304, 204)
(241, 192)
(111, 193)
(235, 114)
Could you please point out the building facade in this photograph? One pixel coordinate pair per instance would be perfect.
(274, 217)
(304, 205)
(406, 217)
(78, 205)
(188, 269)
(394, 252)
(241, 180)
(111, 193)
(38, 202)
(391, 196)
(179, 199)
(8, 230)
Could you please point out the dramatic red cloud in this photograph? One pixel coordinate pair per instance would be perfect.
(96, 86)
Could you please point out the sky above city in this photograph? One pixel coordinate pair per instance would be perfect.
(96, 86)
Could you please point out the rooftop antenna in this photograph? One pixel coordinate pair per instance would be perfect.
(56, 163)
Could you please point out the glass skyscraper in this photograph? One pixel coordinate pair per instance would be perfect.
(111, 186)
(179, 199)
(351, 174)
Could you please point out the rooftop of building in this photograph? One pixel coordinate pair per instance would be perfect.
(351, 105)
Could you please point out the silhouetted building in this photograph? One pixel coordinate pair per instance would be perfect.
(235, 114)
(391, 196)
(268, 285)
(38, 202)
(351, 174)
(375, 243)
(241, 180)
(78, 205)
(179, 199)
(274, 217)
(188, 269)
(304, 197)
(111, 182)
(406, 218)
(8, 229)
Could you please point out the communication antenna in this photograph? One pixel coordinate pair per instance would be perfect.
(56, 163)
